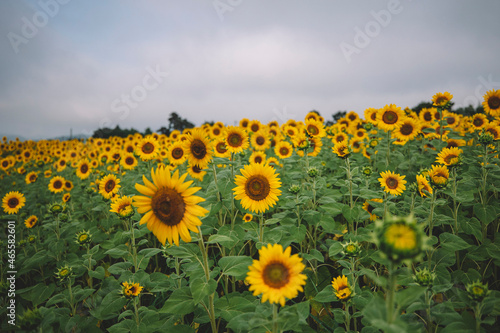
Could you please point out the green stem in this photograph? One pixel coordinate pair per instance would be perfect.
(275, 318)
(136, 312)
(206, 269)
(477, 313)
(261, 227)
(347, 316)
(391, 285)
(350, 226)
(71, 300)
(388, 156)
(428, 298)
(134, 248)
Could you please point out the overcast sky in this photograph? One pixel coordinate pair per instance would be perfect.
(88, 64)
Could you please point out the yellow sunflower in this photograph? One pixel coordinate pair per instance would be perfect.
(31, 221)
(66, 197)
(369, 208)
(283, 149)
(441, 99)
(83, 169)
(390, 117)
(449, 156)
(196, 172)
(479, 121)
(68, 185)
(236, 139)
(56, 184)
(494, 130)
(122, 207)
(424, 188)
(31, 177)
(371, 115)
(176, 154)
(408, 131)
(198, 148)
(257, 157)
(254, 126)
(277, 274)
(109, 186)
(340, 137)
(342, 287)
(128, 161)
(315, 128)
(491, 102)
(439, 175)
(260, 140)
(220, 148)
(247, 217)
(147, 149)
(244, 123)
(130, 289)
(12, 202)
(393, 183)
(257, 188)
(169, 206)
(341, 149)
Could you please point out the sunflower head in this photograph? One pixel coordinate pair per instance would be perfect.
(56, 208)
(31, 221)
(131, 289)
(486, 138)
(343, 289)
(442, 100)
(367, 170)
(392, 183)
(351, 249)
(64, 273)
(423, 186)
(313, 172)
(294, 189)
(439, 175)
(342, 149)
(247, 217)
(12, 202)
(122, 206)
(450, 156)
(83, 237)
(477, 291)
(491, 102)
(424, 277)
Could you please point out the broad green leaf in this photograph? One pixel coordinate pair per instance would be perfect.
(236, 266)
(201, 288)
(180, 302)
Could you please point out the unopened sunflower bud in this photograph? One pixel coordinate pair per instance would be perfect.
(486, 138)
(294, 189)
(477, 291)
(313, 172)
(424, 277)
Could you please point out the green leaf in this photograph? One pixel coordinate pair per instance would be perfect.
(314, 254)
(180, 302)
(119, 267)
(452, 242)
(110, 307)
(486, 214)
(335, 249)
(236, 266)
(200, 288)
(38, 293)
(409, 295)
(223, 240)
(98, 273)
(184, 250)
(118, 252)
(148, 253)
(326, 295)
(232, 306)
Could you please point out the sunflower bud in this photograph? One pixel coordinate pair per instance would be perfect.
(424, 277)
(313, 172)
(368, 127)
(83, 237)
(56, 208)
(64, 273)
(367, 170)
(477, 291)
(31, 239)
(351, 249)
(294, 189)
(63, 217)
(486, 138)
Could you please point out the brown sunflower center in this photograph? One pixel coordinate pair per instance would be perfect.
(129, 160)
(221, 147)
(148, 148)
(390, 117)
(427, 116)
(478, 122)
(392, 183)
(177, 153)
(448, 158)
(84, 168)
(168, 206)
(313, 130)
(494, 102)
(441, 100)
(258, 159)
(370, 208)
(57, 184)
(493, 132)
(216, 131)
(406, 129)
(276, 275)
(130, 149)
(341, 150)
(13, 202)
(62, 163)
(254, 127)
(451, 120)
(198, 149)
(110, 185)
(5, 164)
(257, 187)
(284, 151)
(234, 140)
(260, 140)
(32, 178)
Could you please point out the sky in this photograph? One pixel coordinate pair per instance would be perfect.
(83, 65)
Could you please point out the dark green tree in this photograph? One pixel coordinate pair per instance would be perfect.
(175, 122)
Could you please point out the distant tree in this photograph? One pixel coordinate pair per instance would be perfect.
(148, 131)
(469, 110)
(336, 117)
(211, 123)
(107, 132)
(175, 122)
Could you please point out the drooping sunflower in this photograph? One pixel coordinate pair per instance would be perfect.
(176, 154)
(169, 206)
(12, 202)
(31, 177)
(122, 207)
(449, 156)
(198, 148)
(408, 130)
(83, 169)
(390, 117)
(109, 186)
(236, 139)
(439, 175)
(424, 188)
(441, 99)
(491, 102)
(31, 221)
(342, 287)
(128, 161)
(369, 208)
(257, 187)
(277, 274)
(130, 289)
(283, 149)
(147, 149)
(341, 149)
(393, 183)
(56, 184)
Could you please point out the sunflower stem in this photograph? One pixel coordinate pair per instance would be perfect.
(136, 312)
(71, 300)
(455, 207)
(219, 199)
(388, 156)
(275, 318)
(347, 316)
(428, 299)
(134, 248)
(261, 227)
(206, 268)
(391, 285)
(477, 315)
(350, 226)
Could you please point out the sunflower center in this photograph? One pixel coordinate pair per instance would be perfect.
(257, 187)
(13, 202)
(57, 184)
(148, 148)
(216, 131)
(450, 120)
(313, 130)
(390, 117)
(258, 159)
(427, 116)
(84, 168)
(392, 183)
(284, 151)
(32, 178)
(450, 158)
(198, 149)
(168, 206)
(221, 147)
(129, 161)
(83, 237)
(276, 275)
(493, 132)
(441, 100)
(406, 129)
(109, 186)
(494, 102)
(370, 209)
(234, 140)
(478, 122)
(130, 149)
(177, 153)
(254, 128)
(260, 140)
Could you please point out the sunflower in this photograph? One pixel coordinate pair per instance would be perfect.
(408, 131)
(290, 131)
(260, 140)
(236, 139)
(257, 157)
(315, 128)
(340, 137)
(390, 117)
(441, 99)
(371, 115)
(491, 102)
(56, 184)
(196, 172)
(66, 197)
(130, 289)
(83, 169)
(31, 177)
(455, 143)
(439, 175)
(68, 185)
(31, 221)
(424, 188)
(342, 288)
(169, 206)
(257, 188)
(341, 149)
(479, 121)
(122, 207)
(452, 119)
(283, 149)
(176, 154)
(369, 208)
(494, 130)
(449, 156)
(244, 123)
(254, 126)
(315, 143)
(109, 186)
(247, 217)
(83, 237)
(198, 148)
(128, 161)
(12, 202)
(277, 274)
(393, 183)
(147, 149)
(220, 148)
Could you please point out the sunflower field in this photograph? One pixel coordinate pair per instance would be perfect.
(387, 223)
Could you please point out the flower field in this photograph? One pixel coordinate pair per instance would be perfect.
(387, 223)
